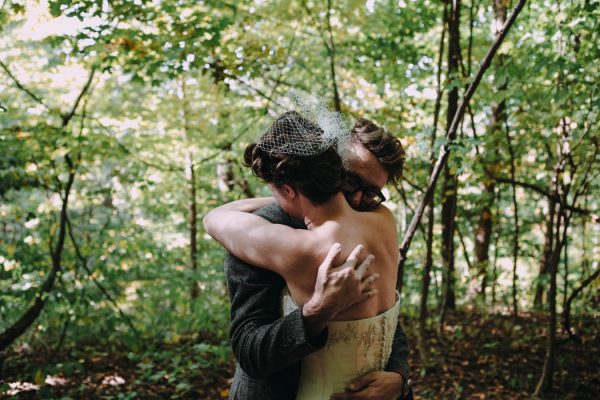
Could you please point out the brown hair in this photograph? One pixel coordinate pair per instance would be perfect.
(386, 147)
(317, 177)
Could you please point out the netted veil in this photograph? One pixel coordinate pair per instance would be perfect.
(302, 125)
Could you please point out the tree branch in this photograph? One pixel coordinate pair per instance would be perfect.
(22, 87)
(67, 117)
(541, 190)
(444, 151)
(83, 262)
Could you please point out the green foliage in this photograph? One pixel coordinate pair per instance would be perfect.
(188, 82)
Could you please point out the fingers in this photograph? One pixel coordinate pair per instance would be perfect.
(367, 294)
(333, 252)
(368, 281)
(361, 382)
(364, 266)
(354, 256)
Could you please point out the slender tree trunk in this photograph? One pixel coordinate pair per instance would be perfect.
(516, 227)
(426, 276)
(483, 232)
(584, 249)
(451, 132)
(191, 178)
(450, 180)
(331, 50)
(495, 267)
(566, 275)
(400, 279)
(546, 380)
(562, 223)
(425, 281)
(546, 254)
(483, 236)
(225, 175)
(193, 221)
(13, 332)
(28, 318)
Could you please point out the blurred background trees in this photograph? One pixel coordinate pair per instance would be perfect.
(123, 122)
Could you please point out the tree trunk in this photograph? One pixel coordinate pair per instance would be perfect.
(546, 254)
(426, 275)
(450, 181)
(193, 220)
(483, 235)
(566, 275)
(28, 318)
(191, 178)
(225, 176)
(400, 279)
(425, 281)
(546, 380)
(483, 232)
(331, 51)
(495, 266)
(562, 223)
(451, 132)
(516, 226)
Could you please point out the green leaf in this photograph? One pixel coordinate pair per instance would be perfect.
(55, 10)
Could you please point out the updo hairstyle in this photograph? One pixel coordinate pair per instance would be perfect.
(318, 177)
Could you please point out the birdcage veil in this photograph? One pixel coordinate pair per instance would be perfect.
(301, 124)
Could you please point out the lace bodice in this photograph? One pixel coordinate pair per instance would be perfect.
(353, 348)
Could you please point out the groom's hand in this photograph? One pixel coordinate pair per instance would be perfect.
(338, 287)
(376, 385)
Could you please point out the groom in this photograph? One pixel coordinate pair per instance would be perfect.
(269, 347)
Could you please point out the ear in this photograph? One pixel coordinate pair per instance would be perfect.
(288, 191)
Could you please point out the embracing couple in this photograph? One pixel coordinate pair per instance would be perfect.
(311, 272)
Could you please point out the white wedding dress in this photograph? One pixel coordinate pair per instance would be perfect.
(353, 348)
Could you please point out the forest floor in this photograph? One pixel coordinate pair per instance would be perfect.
(480, 357)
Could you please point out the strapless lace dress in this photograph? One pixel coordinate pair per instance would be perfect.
(353, 348)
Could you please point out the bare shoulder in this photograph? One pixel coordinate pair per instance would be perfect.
(384, 214)
(295, 246)
(383, 210)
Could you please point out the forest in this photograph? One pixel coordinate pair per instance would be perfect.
(122, 123)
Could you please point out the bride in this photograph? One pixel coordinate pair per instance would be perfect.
(306, 177)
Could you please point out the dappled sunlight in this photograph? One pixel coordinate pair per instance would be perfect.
(113, 380)
(18, 387)
(39, 23)
(123, 123)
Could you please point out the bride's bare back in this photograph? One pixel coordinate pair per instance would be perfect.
(376, 231)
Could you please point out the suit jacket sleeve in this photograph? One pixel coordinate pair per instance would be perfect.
(400, 350)
(264, 342)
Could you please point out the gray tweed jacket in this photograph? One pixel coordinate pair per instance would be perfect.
(267, 346)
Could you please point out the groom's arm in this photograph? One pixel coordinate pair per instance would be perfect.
(264, 342)
(398, 361)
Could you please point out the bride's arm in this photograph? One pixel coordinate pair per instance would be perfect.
(255, 240)
(244, 205)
